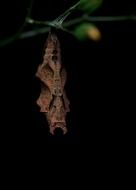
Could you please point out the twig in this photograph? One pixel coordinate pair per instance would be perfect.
(86, 18)
(74, 22)
(57, 23)
(110, 18)
(33, 33)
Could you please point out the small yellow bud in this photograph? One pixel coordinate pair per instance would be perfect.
(93, 33)
(87, 30)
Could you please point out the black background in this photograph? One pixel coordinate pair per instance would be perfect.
(99, 75)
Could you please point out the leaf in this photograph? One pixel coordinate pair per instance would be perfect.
(89, 6)
(87, 31)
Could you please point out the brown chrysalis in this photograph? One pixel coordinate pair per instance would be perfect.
(53, 100)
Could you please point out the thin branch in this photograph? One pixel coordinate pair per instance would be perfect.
(33, 33)
(57, 23)
(31, 21)
(99, 19)
(86, 18)
(109, 18)
(74, 22)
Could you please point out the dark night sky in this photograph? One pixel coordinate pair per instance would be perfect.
(98, 74)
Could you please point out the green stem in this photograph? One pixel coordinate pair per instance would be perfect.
(87, 18)
(57, 23)
(33, 33)
(109, 18)
(99, 19)
(74, 22)
(31, 21)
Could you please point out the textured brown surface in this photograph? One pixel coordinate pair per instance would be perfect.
(53, 100)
